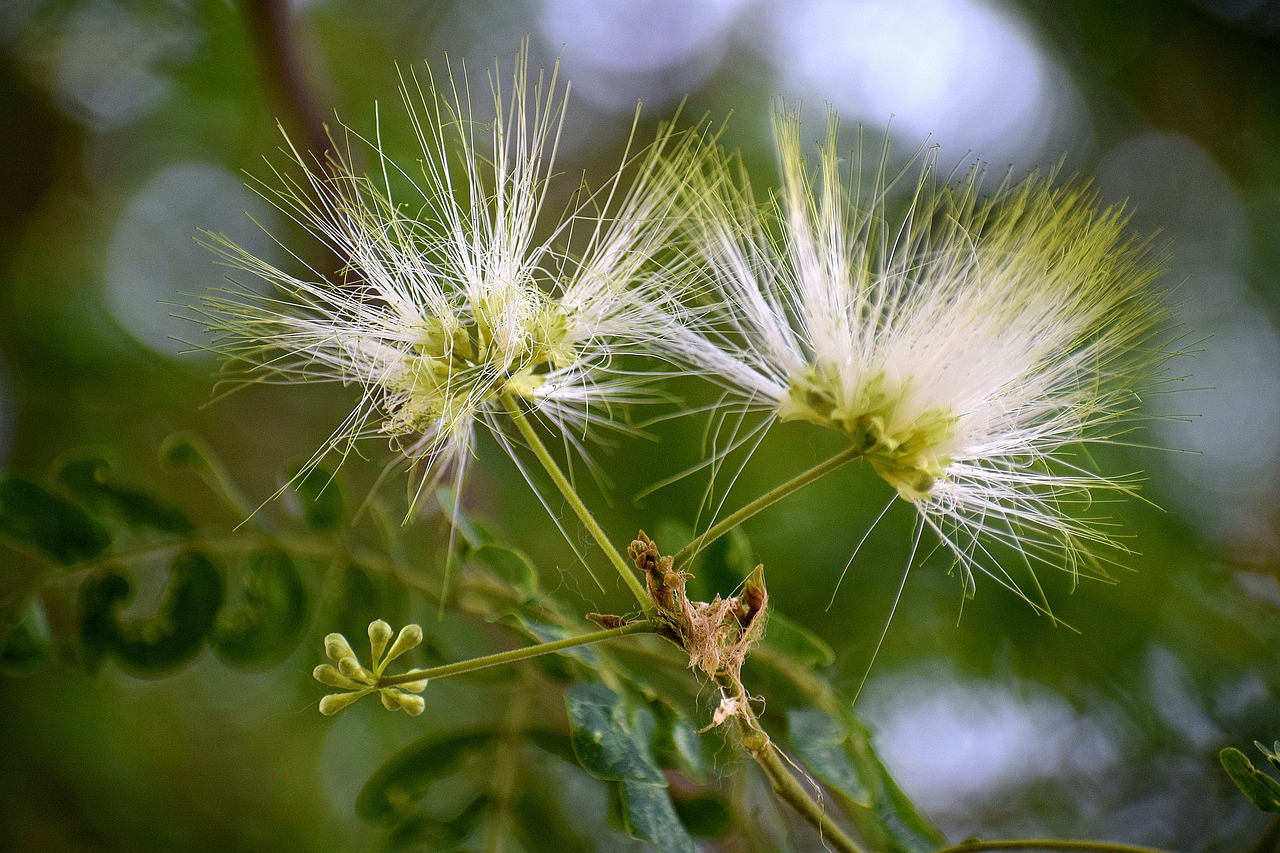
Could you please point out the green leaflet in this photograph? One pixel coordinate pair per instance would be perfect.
(319, 495)
(837, 751)
(473, 533)
(153, 645)
(1261, 789)
(821, 743)
(25, 645)
(603, 737)
(648, 814)
(405, 778)
(510, 565)
(269, 623)
(49, 524)
(797, 642)
(92, 481)
(676, 743)
(352, 600)
(547, 632)
(705, 817)
(614, 743)
(539, 820)
(397, 793)
(188, 450)
(424, 831)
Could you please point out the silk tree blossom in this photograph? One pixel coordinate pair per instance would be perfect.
(970, 347)
(461, 293)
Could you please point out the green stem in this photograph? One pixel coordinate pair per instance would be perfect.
(767, 499)
(975, 846)
(514, 655)
(762, 749)
(580, 509)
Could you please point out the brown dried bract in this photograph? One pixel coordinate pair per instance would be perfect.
(717, 635)
(608, 620)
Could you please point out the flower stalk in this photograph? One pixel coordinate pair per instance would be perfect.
(515, 655)
(1064, 846)
(570, 494)
(769, 498)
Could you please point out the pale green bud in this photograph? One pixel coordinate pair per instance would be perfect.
(351, 668)
(338, 649)
(414, 686)
(410, 636)
(379, 635)
(335, 702)
(327, 675)
(411, 705)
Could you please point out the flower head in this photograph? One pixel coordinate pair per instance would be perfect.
(460, 293)
(967, 347)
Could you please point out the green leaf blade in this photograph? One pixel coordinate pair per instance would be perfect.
(676, 742)
(510, 565)
(268, 626)
(648, 815)
(836, 749)
(821, 744)
(177, 632)
(319, 495)
(25, 645)
(49, 524)
(405, 778)
(798, 643)
(1262, 790)
(92, 481)
(603, 738)
(151, 646)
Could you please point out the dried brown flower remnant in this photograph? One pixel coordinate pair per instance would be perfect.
(717, 635)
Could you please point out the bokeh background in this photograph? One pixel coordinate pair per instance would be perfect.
(127, 125)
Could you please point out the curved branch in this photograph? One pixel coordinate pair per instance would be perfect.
(270, 27)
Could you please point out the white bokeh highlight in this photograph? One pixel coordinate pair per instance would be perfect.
(154, 263)
(1222, 423)
(110, 62)
(956, 744)
(655, 51)
(963, 73)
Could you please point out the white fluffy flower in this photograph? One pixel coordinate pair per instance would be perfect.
(460, 293)
(969, 345)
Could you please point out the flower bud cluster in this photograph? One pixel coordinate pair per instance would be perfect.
(354, 681)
